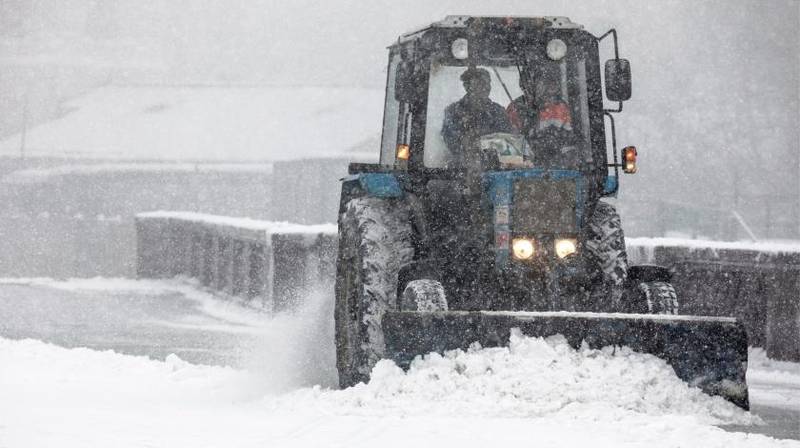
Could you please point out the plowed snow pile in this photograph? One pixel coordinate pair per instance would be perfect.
(533, 377)
(535, 390)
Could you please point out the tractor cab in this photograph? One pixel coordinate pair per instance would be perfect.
(497, 126)
(489, 93)
(494, 133)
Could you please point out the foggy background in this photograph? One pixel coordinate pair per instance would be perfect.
(714, 112)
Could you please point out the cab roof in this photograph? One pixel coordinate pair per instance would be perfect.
(461, 21)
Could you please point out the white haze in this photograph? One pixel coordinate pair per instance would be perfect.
(716, 83)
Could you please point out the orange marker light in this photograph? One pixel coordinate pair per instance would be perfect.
(403, 152)
(629, 159)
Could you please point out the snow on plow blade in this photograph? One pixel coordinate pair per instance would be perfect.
(706, 352)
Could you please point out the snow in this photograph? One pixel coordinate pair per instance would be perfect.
(532, 377)
(231, 310)
(773, 383)
(536, 390)
(642, 243)
(292, 349)
(781, 370)
(208, 123)
(36, 175)
(763, 246)
(532, 315)
(242, 223)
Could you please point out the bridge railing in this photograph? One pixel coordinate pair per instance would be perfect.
(269, 264)
(758, 283)
(274, 265)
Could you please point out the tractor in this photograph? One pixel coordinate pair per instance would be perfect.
(490, 209)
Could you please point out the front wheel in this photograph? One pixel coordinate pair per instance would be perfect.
(655, 297)
(423, 295)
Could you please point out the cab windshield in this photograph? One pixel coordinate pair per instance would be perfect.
(483, 117)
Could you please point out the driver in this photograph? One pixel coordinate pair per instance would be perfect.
(546, 112)
(472, 116)
(546, 121)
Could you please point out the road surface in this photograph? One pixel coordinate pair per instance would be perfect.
(156, 319)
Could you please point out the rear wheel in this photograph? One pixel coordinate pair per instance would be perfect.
(605, 249)
(374, 242)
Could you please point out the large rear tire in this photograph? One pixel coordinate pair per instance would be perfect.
(605, 249)
(374, 243)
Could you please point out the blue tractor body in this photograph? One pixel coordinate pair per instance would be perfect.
(467, 229)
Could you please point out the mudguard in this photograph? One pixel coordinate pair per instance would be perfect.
(648, 273)
(381, 185)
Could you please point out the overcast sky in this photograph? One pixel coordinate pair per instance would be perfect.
(716, 83)
(314, 41)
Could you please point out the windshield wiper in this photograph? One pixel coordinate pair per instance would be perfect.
(502, 83)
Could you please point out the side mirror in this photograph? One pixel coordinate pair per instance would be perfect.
(618, 79)
(407, 83)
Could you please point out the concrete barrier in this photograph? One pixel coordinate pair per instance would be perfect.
(758, 283)
(268, 264)
(276, 264)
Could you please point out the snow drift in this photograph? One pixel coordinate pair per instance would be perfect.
(533, 390)
(532, 377)
(55, 396)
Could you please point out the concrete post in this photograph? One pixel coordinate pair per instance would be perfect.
(783, 316)
(239, 268)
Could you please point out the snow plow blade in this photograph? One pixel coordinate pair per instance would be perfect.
(706, 352)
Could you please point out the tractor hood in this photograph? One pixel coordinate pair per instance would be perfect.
(535, 203)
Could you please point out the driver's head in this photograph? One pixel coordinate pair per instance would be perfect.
(548, 84)
(477, 83)
(544, 83)
(547, 90)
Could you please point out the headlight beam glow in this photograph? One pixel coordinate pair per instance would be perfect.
(522, 248)
(566, 247)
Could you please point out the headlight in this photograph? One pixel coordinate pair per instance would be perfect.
(556, 49)
(460, 48)
(522, 248)
(565, 247)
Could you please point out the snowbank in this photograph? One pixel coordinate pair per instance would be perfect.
(535, 391)
(229, 310)
(285, 350)
(776, 370)
(243, 223)
(533, 377)
(765, 246)
(41, 175)
(773, 383)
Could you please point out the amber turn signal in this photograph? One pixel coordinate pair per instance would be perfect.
(403, 152)
(629, 159)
